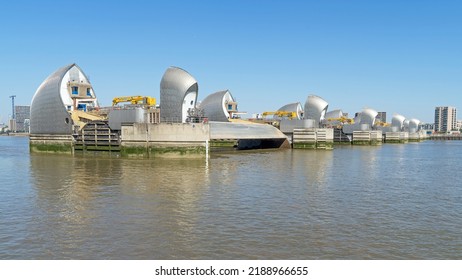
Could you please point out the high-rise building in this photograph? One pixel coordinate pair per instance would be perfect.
(445, 119)
(22, 118)
(382, 117)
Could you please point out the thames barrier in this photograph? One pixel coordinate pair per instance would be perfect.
(66, 118)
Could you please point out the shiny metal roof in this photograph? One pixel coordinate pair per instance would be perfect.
(176, 83)
(293, 107)
(48, 113)
(398, 121)
(315, 108)
(214, 106)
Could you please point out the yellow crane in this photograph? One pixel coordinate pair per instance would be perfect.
(343, 120)
(137, 99)
(290, 115)
(383, 124)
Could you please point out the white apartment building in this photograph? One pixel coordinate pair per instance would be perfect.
(445, 119)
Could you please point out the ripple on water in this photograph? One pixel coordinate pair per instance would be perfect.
(389, 202)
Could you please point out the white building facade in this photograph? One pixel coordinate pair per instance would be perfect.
(445, 119)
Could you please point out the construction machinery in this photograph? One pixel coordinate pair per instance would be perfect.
(137, 99)
(290, 115)
(81, 118)
(339, 122)
(343, 120)
(383, 124)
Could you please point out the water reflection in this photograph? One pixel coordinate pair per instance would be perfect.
(313, 166)
(79, 197)
(350, 203)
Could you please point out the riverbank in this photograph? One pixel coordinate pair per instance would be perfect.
(16, 134)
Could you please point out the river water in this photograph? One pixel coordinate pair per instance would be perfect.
(401, 201)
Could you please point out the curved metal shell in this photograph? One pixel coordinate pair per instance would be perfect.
(368, 116)
(315, 108)
(214, 106)
(331, 115)
(335, 114)
(49, 114)
(178, 93)
(363, 122)
(406, 124)
(293, 107)
(414, 125)
(398, 121)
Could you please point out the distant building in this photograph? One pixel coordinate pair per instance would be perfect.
(459, 125)
(428, 126)
(22, 117)
(445, 119)
(12, 125)
(381, 117)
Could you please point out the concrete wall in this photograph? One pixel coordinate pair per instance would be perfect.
(415, 137)
(228, 130)
(165, 139)
(119, 116)
(396, 137)
(367, 137)
(50, 143)
(288, 126)
(313, 138)
(166, 132)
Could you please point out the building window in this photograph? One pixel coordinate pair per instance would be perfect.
(88, 92)
(75, 90)
(230, 107)
(82, 107)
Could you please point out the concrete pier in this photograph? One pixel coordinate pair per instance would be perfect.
(51, 143)
(396, 137)
(313, 138)
(373, 137)
(164, 139)
(446, 137)
(415, 137)
(245, 136)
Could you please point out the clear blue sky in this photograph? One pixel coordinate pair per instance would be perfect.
(395, 56)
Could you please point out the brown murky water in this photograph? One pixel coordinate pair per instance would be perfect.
(389, 202)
